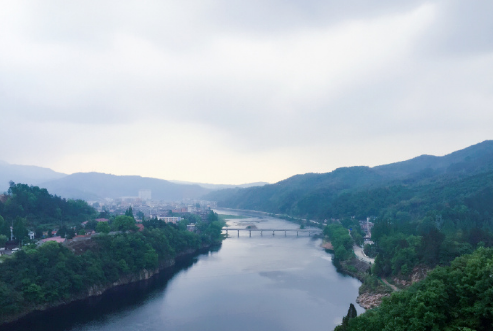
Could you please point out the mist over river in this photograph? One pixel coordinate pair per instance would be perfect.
(271, 283)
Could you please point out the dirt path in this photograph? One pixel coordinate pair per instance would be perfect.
(393, 287)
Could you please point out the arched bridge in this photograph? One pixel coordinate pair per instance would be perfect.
(309, 231)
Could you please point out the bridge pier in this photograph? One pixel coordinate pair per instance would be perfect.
(250, 233)
(296, 233)
(272, 232)
(238, 233)
(284, 233)
(261, 234)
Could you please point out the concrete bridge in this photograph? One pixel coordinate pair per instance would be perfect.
(309, 231)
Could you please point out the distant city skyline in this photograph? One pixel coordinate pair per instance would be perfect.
(237, 92)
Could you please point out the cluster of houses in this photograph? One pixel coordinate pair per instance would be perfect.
(88, 234)
(143, 207)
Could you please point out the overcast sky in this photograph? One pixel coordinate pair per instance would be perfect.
(226, 91)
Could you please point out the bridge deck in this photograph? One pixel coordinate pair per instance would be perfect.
(297, 230)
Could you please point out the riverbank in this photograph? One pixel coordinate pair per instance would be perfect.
(327, 245)
(98, 290)
(372, 290)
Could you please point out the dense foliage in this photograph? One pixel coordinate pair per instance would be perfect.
(352, 313)
(53, 273)
(458, 297)
(37, 207)
(427, 210)
(341, 241)
(413, 187)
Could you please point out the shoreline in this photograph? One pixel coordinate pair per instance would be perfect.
(357, 268)
(98, 290)
(327, 245)
(366, 300)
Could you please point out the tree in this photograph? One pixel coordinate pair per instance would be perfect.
(38, 232)
(124, 223)
(102, 227)
(62, 232)
(70, 233)
(140, 215)
(4, 227)
(3, 240)
(352, 313)
(19, 229)
(129, 212)
(91, 225)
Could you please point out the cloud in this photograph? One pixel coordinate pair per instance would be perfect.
(257, 85)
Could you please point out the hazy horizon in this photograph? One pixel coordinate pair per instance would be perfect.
(184, 181)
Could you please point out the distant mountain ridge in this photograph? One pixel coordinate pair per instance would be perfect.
(219, 186)
(31, 175)
(311, 194)
(95, 186)
(478, 157)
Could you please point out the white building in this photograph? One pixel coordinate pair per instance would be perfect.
(167, 219)
(145, 194)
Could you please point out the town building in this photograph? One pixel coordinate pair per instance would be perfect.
(145, 194)
(168, 219)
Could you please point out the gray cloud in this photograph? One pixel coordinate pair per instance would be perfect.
(242, 79)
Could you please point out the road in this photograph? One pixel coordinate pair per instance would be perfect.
(361, 255)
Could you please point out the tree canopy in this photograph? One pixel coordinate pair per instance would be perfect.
(457, 297)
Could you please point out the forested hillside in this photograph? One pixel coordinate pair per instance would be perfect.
(458, 297)
(54, 273)
(415, 186)
(30, 207)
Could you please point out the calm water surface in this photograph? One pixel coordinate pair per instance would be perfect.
(250, 283)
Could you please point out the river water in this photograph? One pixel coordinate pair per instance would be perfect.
(267, 282)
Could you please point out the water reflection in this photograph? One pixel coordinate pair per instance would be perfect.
(100, 309)
(250, 283)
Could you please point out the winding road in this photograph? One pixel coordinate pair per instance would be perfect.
(361, 255)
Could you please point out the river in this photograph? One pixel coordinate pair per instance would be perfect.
(267, 282)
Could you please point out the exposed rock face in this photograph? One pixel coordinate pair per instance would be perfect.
(418, 274)
(327, 245)
(371, 300)
(142, 275)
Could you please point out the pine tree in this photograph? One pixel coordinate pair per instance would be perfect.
(351, 313)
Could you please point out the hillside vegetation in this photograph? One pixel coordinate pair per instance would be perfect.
(41, 276)
(53, 273)
(35, 208)
(427, 212)
(458, 297)
(417, 185)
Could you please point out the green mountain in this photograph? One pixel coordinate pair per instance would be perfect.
(365, 191)
(36, 206)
